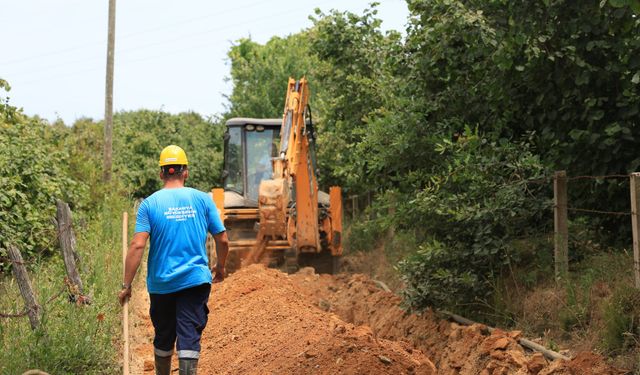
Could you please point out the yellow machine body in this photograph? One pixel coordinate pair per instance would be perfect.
(285, 220)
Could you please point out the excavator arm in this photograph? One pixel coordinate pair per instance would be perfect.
(288, 203)
(296, 163)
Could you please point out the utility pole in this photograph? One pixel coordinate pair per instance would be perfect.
(108, 97)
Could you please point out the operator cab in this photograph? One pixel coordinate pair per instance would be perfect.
(249, 146)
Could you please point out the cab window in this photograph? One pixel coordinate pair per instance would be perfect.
(262, 145)
(234, 161)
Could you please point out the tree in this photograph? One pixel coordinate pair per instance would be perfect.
(260, 73)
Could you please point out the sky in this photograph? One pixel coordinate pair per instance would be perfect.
(170, 55)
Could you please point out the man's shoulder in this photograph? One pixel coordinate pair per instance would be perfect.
(197, 193)
(162, 195)
(152, 197)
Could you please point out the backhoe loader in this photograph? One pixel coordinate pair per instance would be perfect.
(270, 202)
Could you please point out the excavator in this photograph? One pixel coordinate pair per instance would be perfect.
(270, 202)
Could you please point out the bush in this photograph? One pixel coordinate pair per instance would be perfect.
(433, 277)
(139, 137)
(364, 235)
(71, 339)
(35, 173)
(470, 214)
(622, 318)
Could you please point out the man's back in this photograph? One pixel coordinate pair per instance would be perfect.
(177, 221)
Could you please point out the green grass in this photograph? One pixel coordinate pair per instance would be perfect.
(71, 339)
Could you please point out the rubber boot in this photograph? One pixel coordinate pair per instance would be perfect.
(188, 366)
(163, 365)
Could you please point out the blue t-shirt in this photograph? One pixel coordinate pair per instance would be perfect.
(177, 221)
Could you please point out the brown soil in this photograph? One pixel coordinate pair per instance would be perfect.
(140, 329)
(454, 349)
(263, 321)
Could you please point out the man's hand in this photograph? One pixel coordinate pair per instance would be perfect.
(124, 295)
(222, 249)
(218, 273)
(132, 262)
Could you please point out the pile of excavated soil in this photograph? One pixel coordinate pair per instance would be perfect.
(262, 322)
(454, 349)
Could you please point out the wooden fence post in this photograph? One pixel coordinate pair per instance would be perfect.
(68, 244)
(561, 226)
(125, 311)
(635, 224)
(20, 272)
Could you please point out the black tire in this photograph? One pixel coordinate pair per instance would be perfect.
(291, 261)
(323, 262)
(233, 262)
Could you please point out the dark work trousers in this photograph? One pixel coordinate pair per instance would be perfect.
(182, 315)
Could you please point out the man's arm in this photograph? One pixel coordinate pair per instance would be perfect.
(132, 262)
(222, 249)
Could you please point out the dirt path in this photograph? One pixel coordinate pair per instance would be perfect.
(265, 322)
(140, 327)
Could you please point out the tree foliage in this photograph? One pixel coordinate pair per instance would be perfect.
(139, 136)
(469, 215)
(559, 79)
(352, 89)
(35, 172)
(455, 116)
(44, 162)
(259, 74)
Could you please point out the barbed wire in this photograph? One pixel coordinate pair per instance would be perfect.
(37, 307)
(548, 179)
(48, 246)
(615, 213)
(9, 260)
(541, 180)
(587, 210)
(601, 177)
(73, 292)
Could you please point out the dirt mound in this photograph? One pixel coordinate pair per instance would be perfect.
(454, 349)
(261, 322)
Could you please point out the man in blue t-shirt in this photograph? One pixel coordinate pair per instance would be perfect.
(177, 220)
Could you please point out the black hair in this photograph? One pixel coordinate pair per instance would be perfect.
(173, 170)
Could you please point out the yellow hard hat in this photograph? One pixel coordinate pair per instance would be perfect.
(173, 155)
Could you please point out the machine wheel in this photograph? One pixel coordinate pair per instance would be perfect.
(233, 262)
(291, 261)
(323, 262)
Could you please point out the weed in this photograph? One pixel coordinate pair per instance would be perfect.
(71, 339)
(622, 320)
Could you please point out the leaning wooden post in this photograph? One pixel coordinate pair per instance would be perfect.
(354, 206)
(125, 317)
(68, 245)
(561, 226)
(20, 272)
(635, 224)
